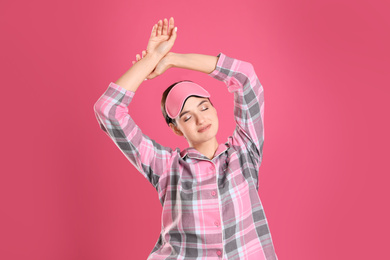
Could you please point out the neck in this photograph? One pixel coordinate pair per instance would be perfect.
(207, 148)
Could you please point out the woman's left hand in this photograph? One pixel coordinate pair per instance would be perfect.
(162, 38)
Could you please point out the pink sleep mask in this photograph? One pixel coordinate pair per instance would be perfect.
(178, 94)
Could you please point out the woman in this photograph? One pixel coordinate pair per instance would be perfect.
(209, 191)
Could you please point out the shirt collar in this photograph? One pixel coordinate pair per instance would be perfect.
(193, 153)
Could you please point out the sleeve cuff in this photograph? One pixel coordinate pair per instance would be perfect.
(118, 94)
(222, 68)
(123, 91)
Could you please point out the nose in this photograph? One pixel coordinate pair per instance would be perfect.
(200, 119)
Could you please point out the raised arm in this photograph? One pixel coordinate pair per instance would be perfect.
(111, 111)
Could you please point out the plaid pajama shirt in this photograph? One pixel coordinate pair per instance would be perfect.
(211, 208)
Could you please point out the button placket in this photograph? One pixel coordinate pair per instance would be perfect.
(214, 194)
(217, 223)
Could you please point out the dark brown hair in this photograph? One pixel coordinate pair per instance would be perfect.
(164, 97)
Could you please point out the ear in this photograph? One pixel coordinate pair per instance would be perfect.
(175, 129)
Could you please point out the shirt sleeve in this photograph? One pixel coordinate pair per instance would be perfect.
(111, 111)
(241, 79)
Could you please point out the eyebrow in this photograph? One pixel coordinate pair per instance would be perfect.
(189, 111)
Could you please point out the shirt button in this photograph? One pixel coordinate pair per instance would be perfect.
(216, 223)
(219, 252)
(213, 193)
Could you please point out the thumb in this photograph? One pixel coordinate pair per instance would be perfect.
(173, 35)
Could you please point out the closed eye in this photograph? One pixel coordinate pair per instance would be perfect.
(188, 118)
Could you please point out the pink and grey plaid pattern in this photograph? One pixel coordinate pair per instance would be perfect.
(211, 208)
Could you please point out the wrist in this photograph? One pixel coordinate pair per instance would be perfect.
(172, 59)
(154, 56)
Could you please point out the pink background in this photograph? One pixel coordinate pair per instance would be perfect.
(67, 191)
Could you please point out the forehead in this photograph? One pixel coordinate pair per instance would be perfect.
(192, 102)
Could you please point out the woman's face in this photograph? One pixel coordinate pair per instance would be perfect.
(197, 121)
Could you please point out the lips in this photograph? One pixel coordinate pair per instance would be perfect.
(205, 128)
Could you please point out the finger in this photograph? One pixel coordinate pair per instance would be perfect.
(143, 53)
(133, 62)
(138, 57)
(159, 28)
(171, 25)
(154, 30)
(165, 26)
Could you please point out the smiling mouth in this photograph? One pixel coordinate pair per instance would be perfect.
(204, 129)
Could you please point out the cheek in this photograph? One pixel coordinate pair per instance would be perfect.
(211, 113)
(215, 115)
(187, 128)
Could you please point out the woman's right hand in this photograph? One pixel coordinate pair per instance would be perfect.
(162, 38)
